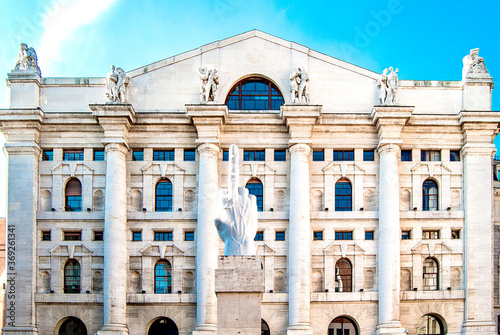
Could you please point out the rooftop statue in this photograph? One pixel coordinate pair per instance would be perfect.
(299, 89)
(27, 59)
(115, 85)
(473, 65)
(209, 83)
(387, 85)
(236, 213)
(382, 87)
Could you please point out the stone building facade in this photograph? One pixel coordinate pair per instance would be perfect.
(375, 206)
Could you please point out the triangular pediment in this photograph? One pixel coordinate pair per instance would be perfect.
(70, 250)
(343, 168)
(430, 169)
(72, 168)
(343, 249)
(162, 168)
(161, 249)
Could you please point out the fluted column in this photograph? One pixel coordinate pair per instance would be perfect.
(299, 241)
(206, 239)
(388, 260)
(115, 233)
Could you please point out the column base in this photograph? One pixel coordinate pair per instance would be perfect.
(113, 330)
(20, 330)
(391, 328)
(478, 327)
(299, 329)
(207, 329)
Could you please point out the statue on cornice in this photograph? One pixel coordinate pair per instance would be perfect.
(382, 87)
(392, 86)
(27, 59)
(299, 89)
(236, 213)
(209, 83)
(473, 64)
(115, 85)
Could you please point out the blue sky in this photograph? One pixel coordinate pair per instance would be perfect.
(82, 38)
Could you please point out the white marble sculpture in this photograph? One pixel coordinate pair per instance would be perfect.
(299, 90)
(473, 65)
(115, 85)
(209, 83)
(382, 87)
(392, 86)
(236, 213)
(27, 59)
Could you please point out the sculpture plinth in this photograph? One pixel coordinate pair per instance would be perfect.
(239, 285)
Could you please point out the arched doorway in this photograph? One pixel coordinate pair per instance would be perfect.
(342, 325)
(264, 328)
(163, 326)
(73, 326)
(430, 325)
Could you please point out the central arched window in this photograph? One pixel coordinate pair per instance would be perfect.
(163, 277)
(254, 94)
(163, 199)
(73, 196)
(429, 195)
(343, 196)
(431, 275)
(72, 277)
(254, 187)
(343, 275)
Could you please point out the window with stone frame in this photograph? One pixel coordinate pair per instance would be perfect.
(163, 277)
(430, 275)
(254, 94)
(429, 195)
(430, 155)
(343, 275)
(256, 188)
(72, 276)
(73, 196)
(73, 154)
(430, 234)
(343, 196)
(163, 196)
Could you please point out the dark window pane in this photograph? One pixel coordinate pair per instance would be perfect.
(343, 196)
(163, 277)
(368, 235)
(318, 156)
(46, 235)
(318, 235)
(280, 236)
(406, 155)
(279, 155)
(343, 155)
(255, 187)
(164, 155)
(98, 236)
(164, 236)
(48, 155)
(163, 196)
(254, 94)
(72, 277)
(454, 155)
(98, 154)
(73, 155)
(430, 155)
(405, 235)
(429, 196)
(259, 236)
(72, 236)
(189, 155)
(225, 155)
(368, 155)
(343, 235)
(343, 276)
(137, 236)
(254, 155)
(189, 235)
(137, 154)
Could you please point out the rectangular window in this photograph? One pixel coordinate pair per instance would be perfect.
(99, 154)
(430, 234)
(73, 155)
(318, 155)
(259, 236)
(318, 236)
(98, 235)
(343, 155)
(225, 155)
(254, 155)
(406, 156)
(430, 155)
(189, 236)
(72, 235)
(369, 235)
(455, 234)
(189, 155)
(137, 235)
(406, 235)
(138, 154)
(343, 235)
(368, 155)
(164, 155)
(164, 235)
(48, 155)
(454, 155)
(280, 236)
(279, 155)
(46, 235)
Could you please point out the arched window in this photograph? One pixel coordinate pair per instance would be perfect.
(163, 326)
(163, 199)
(343, 275)
(72, 277)
(429, 195)
(264, 328)
(342, 326)
(431, 275)
(163, 277)
(254, 187)
(254, 94)
(72, 326)
(430, 325)
(343, 196)
(73, 196)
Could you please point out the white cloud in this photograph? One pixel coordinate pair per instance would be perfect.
(63, 21)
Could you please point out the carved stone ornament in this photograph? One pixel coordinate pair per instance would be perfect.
(236, 213)
(387, 85)
(299, 90)
(27, 60)
(474, 65)
(116, 91)
(209, 82)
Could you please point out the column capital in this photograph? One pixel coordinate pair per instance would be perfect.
(390, 120)
(209, 149)
(300, 120)
(207, 119)
(115, 120)
(479, 126)
(300, 148)
(120, 146)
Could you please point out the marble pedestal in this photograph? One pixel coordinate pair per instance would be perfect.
(239, 285)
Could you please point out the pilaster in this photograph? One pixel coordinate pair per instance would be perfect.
(479, 129)
(22, 128)
(115, 119)
(389, 121)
